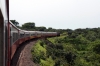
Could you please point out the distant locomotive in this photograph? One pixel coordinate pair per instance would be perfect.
(11, 36)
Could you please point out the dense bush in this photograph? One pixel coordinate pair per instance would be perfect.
(80, 47)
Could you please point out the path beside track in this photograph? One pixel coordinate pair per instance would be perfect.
(23, 56)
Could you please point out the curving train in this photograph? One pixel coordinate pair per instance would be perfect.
(11, 36)
(17, 36)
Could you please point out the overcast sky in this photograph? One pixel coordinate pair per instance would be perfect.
(57, 13)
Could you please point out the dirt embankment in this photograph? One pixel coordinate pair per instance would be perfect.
(23, 56)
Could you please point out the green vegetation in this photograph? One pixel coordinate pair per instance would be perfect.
(15, 23)
(80, 47)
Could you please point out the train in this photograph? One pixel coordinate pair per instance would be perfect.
(12, 37)
(18, 36)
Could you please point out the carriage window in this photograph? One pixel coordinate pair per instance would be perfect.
(27, 34)
(15, 36)
(32, 34)
(21, 35)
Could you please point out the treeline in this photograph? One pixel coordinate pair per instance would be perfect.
(89, 33)
(30, 26)
(72, 33)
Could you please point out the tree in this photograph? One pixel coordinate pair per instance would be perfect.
(29, 25)
(40, 28)
(69, 31)
(97, 49)
(91, 36)
(15, 22)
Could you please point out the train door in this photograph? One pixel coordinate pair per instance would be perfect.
(1, 39)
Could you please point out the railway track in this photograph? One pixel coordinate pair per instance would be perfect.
(23, 55)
